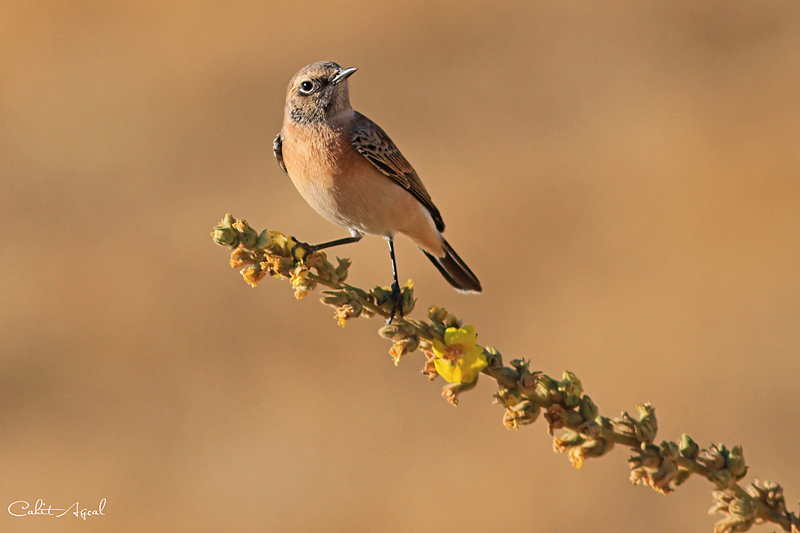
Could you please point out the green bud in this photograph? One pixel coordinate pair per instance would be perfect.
(570, 384)
(645, 410)
(689, 448)
(588, 409)
(519, 364)
(403, 347)
(769, 493)
(381, 293)
(591, 429)
(529, 411)
(506, 398)
(357, 293)
(547, 385)
(398, 332)
(714, 457)
(249, 238)
(493, 357)
(225, 236)
(625, 424)
(393, 332)
(437, 331)
(453, 322)
(437, 314)
(571, 400)
(408, 299)
(574, 418)
(648, 458)
(334, 298)
(568, 440)
(247, 235)
(264, 239)
(647, 427)
(343, 269)
(663, 476)
(528, 381)
(681, 476)
(644, 433)
(757, 491)
(723, 479)
(521, 414)
(596, 447)
(742, 508)
(723, 497)
(505, 377)
(669, 450)
(411, 343)
(524, 405)
(735, 462)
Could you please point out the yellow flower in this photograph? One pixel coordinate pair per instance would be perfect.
(347, 311)
(576, 457)
(252, 276)
(283, 245)
(458, 359)
(300, 282)
(239, 257)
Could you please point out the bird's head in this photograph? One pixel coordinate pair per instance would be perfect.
(318, 92)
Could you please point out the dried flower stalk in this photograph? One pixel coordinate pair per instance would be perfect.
(451, 352)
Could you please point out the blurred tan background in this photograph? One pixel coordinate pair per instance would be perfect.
(623, 177)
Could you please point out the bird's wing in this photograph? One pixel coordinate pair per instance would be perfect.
(373, 143)
(277, 149)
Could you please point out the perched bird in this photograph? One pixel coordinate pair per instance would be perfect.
(351, 173)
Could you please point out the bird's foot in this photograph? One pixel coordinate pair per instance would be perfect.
(397, 301)
(304, 247)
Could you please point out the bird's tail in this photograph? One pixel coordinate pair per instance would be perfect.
(455, 270)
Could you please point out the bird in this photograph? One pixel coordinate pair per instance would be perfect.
(349, 170)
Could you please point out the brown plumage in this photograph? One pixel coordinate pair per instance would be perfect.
(350, 171)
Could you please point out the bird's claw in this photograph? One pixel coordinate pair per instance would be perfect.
(307, 248)
(397, 301)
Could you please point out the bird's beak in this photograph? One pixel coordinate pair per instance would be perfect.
(343, 75)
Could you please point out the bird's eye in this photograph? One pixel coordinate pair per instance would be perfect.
(306, 86)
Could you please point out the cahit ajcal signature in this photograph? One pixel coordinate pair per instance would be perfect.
(23, 508)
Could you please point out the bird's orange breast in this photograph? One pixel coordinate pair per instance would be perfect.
(344, 187)
(318, 159)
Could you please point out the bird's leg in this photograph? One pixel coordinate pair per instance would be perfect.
(311, 248)
(396, 295)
